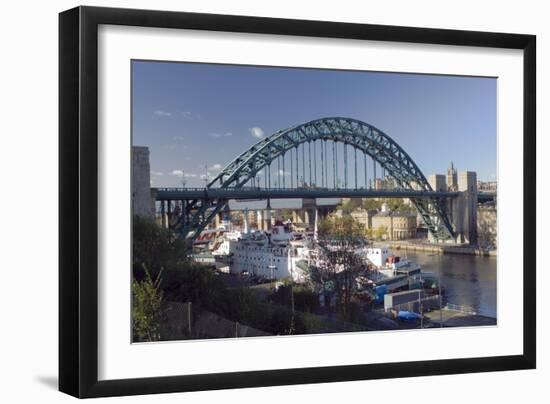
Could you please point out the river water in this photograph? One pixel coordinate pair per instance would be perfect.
(467, 280)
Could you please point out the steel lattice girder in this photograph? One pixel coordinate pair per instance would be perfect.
(360, 135)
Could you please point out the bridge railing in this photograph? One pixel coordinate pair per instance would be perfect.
(249, 188)
(282, 193)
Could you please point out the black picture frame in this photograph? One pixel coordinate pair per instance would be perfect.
(78, 201)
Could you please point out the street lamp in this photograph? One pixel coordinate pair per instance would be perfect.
(205, 174)
(420, 305)
(291, 294)
(440, 295)
(183, 180)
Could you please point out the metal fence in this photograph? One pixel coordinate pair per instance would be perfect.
(468, 310)
(183, 321)
(428, 303)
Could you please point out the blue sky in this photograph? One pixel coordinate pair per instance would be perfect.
(196, 115)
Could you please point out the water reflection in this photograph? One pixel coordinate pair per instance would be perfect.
(467, 280)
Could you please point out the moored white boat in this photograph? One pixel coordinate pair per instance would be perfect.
(268, 255)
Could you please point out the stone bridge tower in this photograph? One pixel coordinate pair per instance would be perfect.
(463, 209)
(142, 200)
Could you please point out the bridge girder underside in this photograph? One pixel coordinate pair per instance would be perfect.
(359, 135)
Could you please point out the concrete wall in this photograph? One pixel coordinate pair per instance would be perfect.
(142, 202)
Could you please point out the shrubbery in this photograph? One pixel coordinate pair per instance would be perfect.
(146, 308)
(305, 299)
(154, 248)
(158, 251)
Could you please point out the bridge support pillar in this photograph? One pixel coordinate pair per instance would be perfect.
(163, 215)
(267, 220)
(245, 221)
(259, 220)
(183, 212)
(462, 210)
(306, 216)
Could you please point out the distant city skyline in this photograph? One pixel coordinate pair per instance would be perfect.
(195, 118)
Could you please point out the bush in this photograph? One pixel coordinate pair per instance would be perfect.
(305, 299)
(146, 308)
(192, 282)
(154, 247)
(157, 250)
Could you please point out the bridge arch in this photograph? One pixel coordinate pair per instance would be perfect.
(361, 136)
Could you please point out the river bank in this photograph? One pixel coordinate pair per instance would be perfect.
(435, 248)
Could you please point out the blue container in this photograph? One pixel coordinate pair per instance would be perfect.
(380, 291)
(408, 316)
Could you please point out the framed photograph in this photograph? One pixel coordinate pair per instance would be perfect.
(251, 201)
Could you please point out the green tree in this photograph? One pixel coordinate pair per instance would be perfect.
(380, 232)
(398, 205)
(197, 283)
(305, 299)
(341, 227)
(154, 248)
(339, 266)
(157, 251)
(350, 205)
(371, 204)
(146, 308)
(286, 214)
(337, 271)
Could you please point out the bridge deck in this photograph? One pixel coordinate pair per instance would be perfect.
(166, 194)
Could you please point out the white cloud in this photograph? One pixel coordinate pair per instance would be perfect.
(176, 146)
(157, 173)
(191, 115)
(257, 132)
(181, 173)
(178, 138)
(215, 167)
(159, 112)
(218, 135)
(284, 172)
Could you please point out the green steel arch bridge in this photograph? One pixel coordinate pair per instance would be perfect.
(323, 158)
